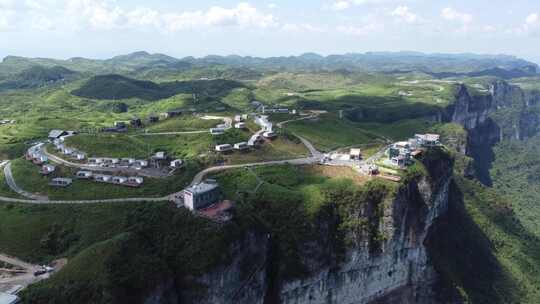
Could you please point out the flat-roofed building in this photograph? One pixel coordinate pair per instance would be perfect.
(6, 298)
(241, 146)
(224, 148)
(61, 182)
(201, 195)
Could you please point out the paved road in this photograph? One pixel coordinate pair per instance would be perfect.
(226, 120)
(315, 158)
(13, 186)
(67, 163)
(23, 279)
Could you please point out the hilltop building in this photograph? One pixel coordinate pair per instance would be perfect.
(201, 195)
(428, 140)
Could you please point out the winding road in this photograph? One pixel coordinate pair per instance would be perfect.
(199, 177)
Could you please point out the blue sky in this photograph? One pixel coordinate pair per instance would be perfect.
(104, 28)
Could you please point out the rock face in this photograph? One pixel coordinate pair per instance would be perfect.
(505, 112)
(399, 271)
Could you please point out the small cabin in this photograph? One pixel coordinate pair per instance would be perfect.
(61, 182)
(120, 124)
(224, 148)
(84, 174)
(254, 140)
(80, 156)
(95, 161)
(269, 135)
(217, 131)
(40, 159)
(240, 125)
(102, 178)
(135, 180)
(68, 151)
(355, 154)
(177, 163)
(47, 169)
(160, 155)
(238, 118)
(141, 163)
(119, 179)
(242, 146)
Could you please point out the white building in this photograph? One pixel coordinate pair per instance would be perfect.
(119, 179)
(102, 178)
(428, 140)
(177, 163)
(47, 169)
(201, 195)
(84, 174)
(224, 148)
(6, 298)
(135, 180)
(217, 131)
(240, 125)
(241, 146)
(269, 135)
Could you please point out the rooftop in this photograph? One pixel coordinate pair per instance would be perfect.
(203, 187)
(8, 299)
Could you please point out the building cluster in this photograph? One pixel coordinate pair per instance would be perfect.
(36, 156)
(256, 139)
(401, 153)
(122, 126)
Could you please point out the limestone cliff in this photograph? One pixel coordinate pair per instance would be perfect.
(395, 267)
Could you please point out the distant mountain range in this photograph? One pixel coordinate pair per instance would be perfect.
(21, 72)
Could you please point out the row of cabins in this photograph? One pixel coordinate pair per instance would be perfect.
(104, 162)
(129, 181)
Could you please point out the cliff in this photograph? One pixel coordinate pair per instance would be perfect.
(386, 262)
(505, 112)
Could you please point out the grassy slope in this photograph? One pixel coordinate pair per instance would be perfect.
(118, 251)
(28, 178)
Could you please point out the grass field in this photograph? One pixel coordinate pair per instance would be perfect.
(27, 177)
(183, 123)
(278, 149)
(329, 132)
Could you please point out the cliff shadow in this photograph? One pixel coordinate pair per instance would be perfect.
(463, 256)
(480, 147)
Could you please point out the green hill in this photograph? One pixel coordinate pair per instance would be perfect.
(38, 76)
(121, 87)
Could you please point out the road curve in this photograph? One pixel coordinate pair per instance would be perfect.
(13, 186)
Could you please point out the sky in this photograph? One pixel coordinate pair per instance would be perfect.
(105, 28)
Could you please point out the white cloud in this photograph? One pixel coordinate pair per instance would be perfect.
(73, 15)
(454, 15)
(357, 30)
(6, 16)
(531, 26)
(339, 5)
(404, 13)
(303, 28)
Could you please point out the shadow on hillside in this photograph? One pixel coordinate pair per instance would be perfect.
(115, 87)
(463, 256)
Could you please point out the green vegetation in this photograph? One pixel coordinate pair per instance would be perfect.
(27, 177)
(329, 132)
(121, 87)
(183, 123)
